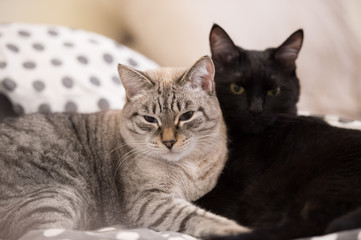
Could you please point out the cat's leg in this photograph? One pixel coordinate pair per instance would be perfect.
(312, 220)
(351, 220)
(286, 231)
(49, 207)
(175, 214)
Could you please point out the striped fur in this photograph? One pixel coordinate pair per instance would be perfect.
(85, 171)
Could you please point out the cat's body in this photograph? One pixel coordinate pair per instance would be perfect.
(291, 180)
(138, 167)
(287, 176)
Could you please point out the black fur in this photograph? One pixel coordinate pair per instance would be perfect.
(258, 72)
(287, 176)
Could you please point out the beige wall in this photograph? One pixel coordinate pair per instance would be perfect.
(354, 12)
(175, 33)
(101, 16)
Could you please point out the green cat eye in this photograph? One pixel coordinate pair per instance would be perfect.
(150, 119)
(274, 92)
(237, 89)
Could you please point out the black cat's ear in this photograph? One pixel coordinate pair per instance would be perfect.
(222, 47)
(201, 75)
(287, 53)
(134, 82)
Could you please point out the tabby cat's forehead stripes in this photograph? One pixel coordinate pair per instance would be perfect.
(166, 76)
(168, 101)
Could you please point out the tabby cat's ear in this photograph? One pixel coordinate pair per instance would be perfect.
(134, 82)
(287, 53)
(222, 47)
(201, 75)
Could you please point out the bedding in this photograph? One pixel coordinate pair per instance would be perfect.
(109, 233)
(47, 68)
(146, 234)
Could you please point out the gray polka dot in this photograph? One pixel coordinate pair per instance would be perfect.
(56, 62)
(53, 32)
(103, 104)
(82, 59)
(345, 120)
(71, 107)
(38, 46)
(3, 65)
(68, 82)
(44, 108)
(95, 81)
(116, 80)
(12, 47)
(18, 109)
(118, 45)
(132, 62)
(24, 33)
(68, 44)
(9, 84)
(38, 85)
(29, 65)
(93, 41)
(108, 58)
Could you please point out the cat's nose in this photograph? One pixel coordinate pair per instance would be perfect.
(169, 143)
(256, 105)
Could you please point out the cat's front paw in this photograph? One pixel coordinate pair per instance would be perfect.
(233, 229)
(241, 236)
(214, 229)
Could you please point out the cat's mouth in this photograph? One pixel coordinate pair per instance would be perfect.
(254, 123)
(172, 156)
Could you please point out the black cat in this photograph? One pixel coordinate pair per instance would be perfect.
(254, 86)
(287, 176)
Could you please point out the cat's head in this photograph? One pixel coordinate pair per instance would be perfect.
(253, 87)
(171, 112)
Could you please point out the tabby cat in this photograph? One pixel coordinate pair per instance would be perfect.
(287, 177)
(139, 166)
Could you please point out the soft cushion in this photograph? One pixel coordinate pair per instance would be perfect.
(47, 68)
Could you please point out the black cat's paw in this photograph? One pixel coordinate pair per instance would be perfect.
(242, 236)
(352, 220)
(340, 225)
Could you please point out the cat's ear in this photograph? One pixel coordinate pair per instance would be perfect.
(201, 75)
(134, 82)
(287, 53)
(222, 47)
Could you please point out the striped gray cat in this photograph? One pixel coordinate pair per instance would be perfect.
(139, 166)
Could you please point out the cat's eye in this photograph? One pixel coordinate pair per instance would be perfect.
(274, 92)
(186, 116)
(150, 119)
(236, 89)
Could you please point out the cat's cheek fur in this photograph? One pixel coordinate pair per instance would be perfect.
(194, 125)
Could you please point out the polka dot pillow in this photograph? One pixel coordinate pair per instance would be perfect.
(54, 68)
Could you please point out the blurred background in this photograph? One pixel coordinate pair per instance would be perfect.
(175, 33)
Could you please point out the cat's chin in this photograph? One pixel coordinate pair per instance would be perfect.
(172, 156)
(255, 125)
